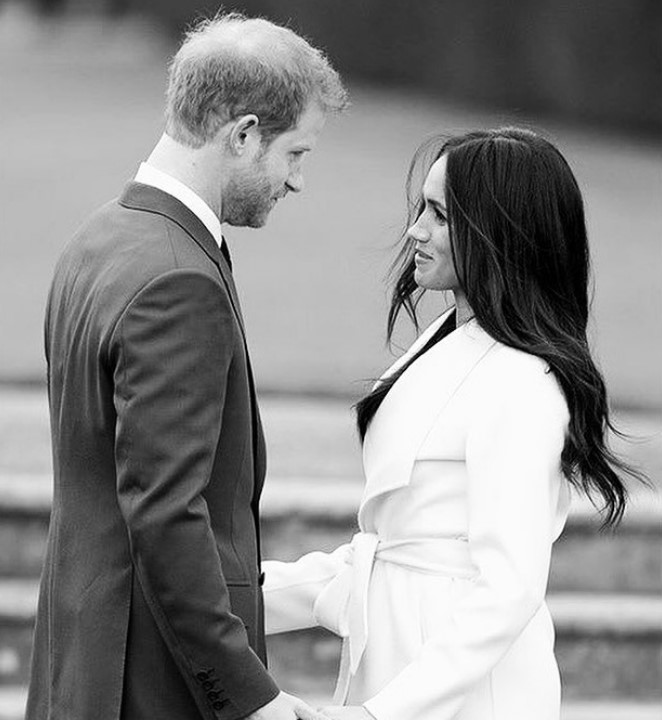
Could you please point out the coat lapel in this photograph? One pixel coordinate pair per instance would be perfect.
(415, 401)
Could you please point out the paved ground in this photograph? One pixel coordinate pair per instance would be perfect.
(82, 105)
(12, 702)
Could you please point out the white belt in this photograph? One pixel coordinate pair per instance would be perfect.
(436, 556)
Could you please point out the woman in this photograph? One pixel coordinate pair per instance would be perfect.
(471, 443)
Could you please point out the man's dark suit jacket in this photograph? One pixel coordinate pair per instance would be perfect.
(150, 604)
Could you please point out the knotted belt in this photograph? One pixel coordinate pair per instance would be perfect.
(436, 556)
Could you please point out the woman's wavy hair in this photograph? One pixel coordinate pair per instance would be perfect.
(520, 250)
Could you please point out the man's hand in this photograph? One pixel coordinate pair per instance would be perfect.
(350, 712)
(286, 707)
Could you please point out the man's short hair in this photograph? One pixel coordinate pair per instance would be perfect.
(232, 65)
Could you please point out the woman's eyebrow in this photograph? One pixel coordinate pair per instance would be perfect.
(434, 202)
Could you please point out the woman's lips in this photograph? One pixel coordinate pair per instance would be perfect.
(420, 256)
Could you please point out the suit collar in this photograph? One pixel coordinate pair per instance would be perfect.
(150, 175)
(147, 198)
(138, 196)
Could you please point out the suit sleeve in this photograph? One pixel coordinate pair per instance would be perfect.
(171, 351)
(513, 455)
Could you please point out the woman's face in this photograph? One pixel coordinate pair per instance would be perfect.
(434, 259)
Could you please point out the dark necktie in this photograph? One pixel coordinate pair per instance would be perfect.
(226, 252)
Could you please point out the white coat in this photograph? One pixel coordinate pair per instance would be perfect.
(441, 596)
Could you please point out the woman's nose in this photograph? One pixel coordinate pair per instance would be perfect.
(418, 233)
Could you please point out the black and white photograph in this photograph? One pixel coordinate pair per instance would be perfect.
(330, 378)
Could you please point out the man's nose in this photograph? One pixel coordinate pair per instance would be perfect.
(294, 182)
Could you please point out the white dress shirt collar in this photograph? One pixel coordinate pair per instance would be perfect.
(148, 175)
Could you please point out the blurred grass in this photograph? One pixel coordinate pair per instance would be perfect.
(81, 107)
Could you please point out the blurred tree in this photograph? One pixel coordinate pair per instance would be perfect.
(113, 7)
(598, 61)
(50, 7)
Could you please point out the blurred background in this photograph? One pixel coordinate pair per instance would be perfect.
(81, 91)
(81, 97)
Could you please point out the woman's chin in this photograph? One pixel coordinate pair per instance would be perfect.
(421, 280)
(428, 283)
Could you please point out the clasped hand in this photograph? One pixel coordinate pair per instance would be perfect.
(349, 712)
(288, 707)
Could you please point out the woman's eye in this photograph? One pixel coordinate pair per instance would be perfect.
(438, 214)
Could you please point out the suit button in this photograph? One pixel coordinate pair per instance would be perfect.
(202, 676)
(207, 685)
(218, 705)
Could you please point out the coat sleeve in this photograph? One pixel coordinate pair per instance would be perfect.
(513, 455)
(170, 353)
(291, 589)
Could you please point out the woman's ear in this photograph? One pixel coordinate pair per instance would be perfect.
(244, 135)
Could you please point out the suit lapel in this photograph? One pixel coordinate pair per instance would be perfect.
(150, 199)
(413, 404)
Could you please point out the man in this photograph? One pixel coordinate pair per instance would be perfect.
(150, 602)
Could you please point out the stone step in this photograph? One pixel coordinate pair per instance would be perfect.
(299, 515)
(611, 711)
(12, 702)
(608, 646)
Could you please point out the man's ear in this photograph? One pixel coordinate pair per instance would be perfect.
(244, 135)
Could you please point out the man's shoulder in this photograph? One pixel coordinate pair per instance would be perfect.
(113, 221)
(135, 241)
(118, 251)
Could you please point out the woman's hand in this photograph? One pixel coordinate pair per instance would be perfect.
(350, 712)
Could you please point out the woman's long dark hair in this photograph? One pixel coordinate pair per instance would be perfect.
(520, 251)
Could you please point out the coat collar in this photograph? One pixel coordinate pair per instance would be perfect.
(147, 198)
(417, 344)
(409, 411)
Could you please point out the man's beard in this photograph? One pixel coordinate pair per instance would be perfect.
(248, 199)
